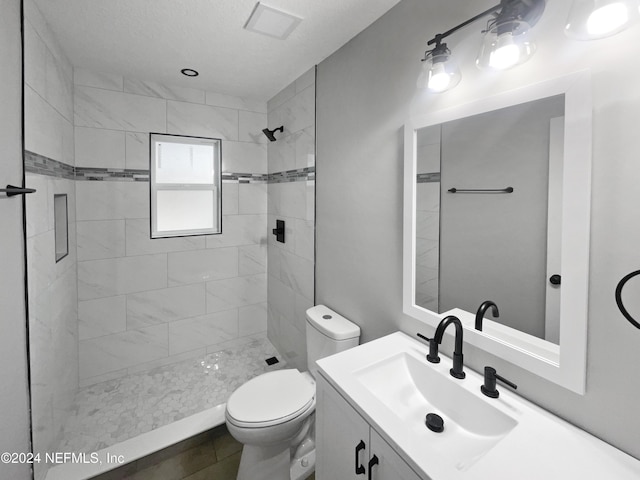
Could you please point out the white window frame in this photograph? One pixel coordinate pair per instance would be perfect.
(215, 187)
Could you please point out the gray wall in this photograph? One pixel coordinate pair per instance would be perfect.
(366, 90)
(14, 401)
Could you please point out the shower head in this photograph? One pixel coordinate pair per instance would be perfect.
(270, 133)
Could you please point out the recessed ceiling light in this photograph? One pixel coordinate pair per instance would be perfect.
(189, 72)
(271, 22)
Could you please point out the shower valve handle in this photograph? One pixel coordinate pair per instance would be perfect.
(279, 231)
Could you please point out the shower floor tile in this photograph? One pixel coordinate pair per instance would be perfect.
(116, 410)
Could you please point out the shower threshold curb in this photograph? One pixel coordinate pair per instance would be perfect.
(95, 463)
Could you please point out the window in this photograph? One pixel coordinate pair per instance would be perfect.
(185, 186)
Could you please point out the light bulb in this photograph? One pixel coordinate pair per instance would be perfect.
(506, 53)
(439, 79)
(506, 45)
(607, 19)
(594, 19)
(439, 71)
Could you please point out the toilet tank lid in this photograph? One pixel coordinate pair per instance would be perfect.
(332, 324)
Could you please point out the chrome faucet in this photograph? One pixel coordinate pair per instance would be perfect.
(433, 357)
(484, 306)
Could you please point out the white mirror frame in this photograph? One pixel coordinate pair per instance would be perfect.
(564, 365)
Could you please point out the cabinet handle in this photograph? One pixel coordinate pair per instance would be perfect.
(374, 461)
(359, 466)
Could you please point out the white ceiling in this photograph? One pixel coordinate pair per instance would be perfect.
(154, 39)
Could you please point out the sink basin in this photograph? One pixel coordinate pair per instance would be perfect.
(391, 385)
(410, 388)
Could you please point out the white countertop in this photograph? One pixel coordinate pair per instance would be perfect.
(540, 446)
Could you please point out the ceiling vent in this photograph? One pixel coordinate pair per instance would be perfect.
(272, 22)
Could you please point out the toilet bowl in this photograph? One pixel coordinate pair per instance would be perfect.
(269, 415)
(273, 414)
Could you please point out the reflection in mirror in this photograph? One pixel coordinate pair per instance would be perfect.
(532, 146)
(497, 245)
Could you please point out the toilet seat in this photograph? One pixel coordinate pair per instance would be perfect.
(270, 399)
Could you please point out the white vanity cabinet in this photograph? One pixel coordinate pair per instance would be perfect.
(348, 448)
(380, 392)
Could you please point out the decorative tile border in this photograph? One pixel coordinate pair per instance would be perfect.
(35, 163)
(117, 174)
(428, 177)
(298, 175)
(245, 177)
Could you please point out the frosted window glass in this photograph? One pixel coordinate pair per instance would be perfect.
(185, 184)
(185, 209)
(184, 163)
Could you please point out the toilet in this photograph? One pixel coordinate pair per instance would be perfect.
(272, 415)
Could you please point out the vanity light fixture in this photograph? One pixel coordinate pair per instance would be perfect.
(439, 72)
(506, 43)
(593, 19)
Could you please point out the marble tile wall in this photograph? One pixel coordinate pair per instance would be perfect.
(53, 327)
(428, 218)
(143, 302)
(291, 264)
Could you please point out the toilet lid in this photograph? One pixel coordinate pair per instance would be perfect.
(271, 396)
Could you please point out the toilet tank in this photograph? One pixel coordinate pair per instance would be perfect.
(328, 332)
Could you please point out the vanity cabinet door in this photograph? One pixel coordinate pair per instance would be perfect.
(390, 465)
(342, 437)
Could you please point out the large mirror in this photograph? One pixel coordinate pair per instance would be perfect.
(497, 208)
(488, 198)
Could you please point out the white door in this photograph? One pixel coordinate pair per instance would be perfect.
(554, 230)
(14, 406)
(342, 437)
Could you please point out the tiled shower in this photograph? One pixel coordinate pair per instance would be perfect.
(121, 305)
(291, 193)
(428, 218)
(52, 286)
(162, 300)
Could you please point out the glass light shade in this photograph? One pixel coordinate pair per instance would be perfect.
(439, 73)
(506, 45)
(593, 19)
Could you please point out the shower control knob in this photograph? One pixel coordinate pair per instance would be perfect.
(279, 231)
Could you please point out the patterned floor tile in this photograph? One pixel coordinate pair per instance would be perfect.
(116, 410)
